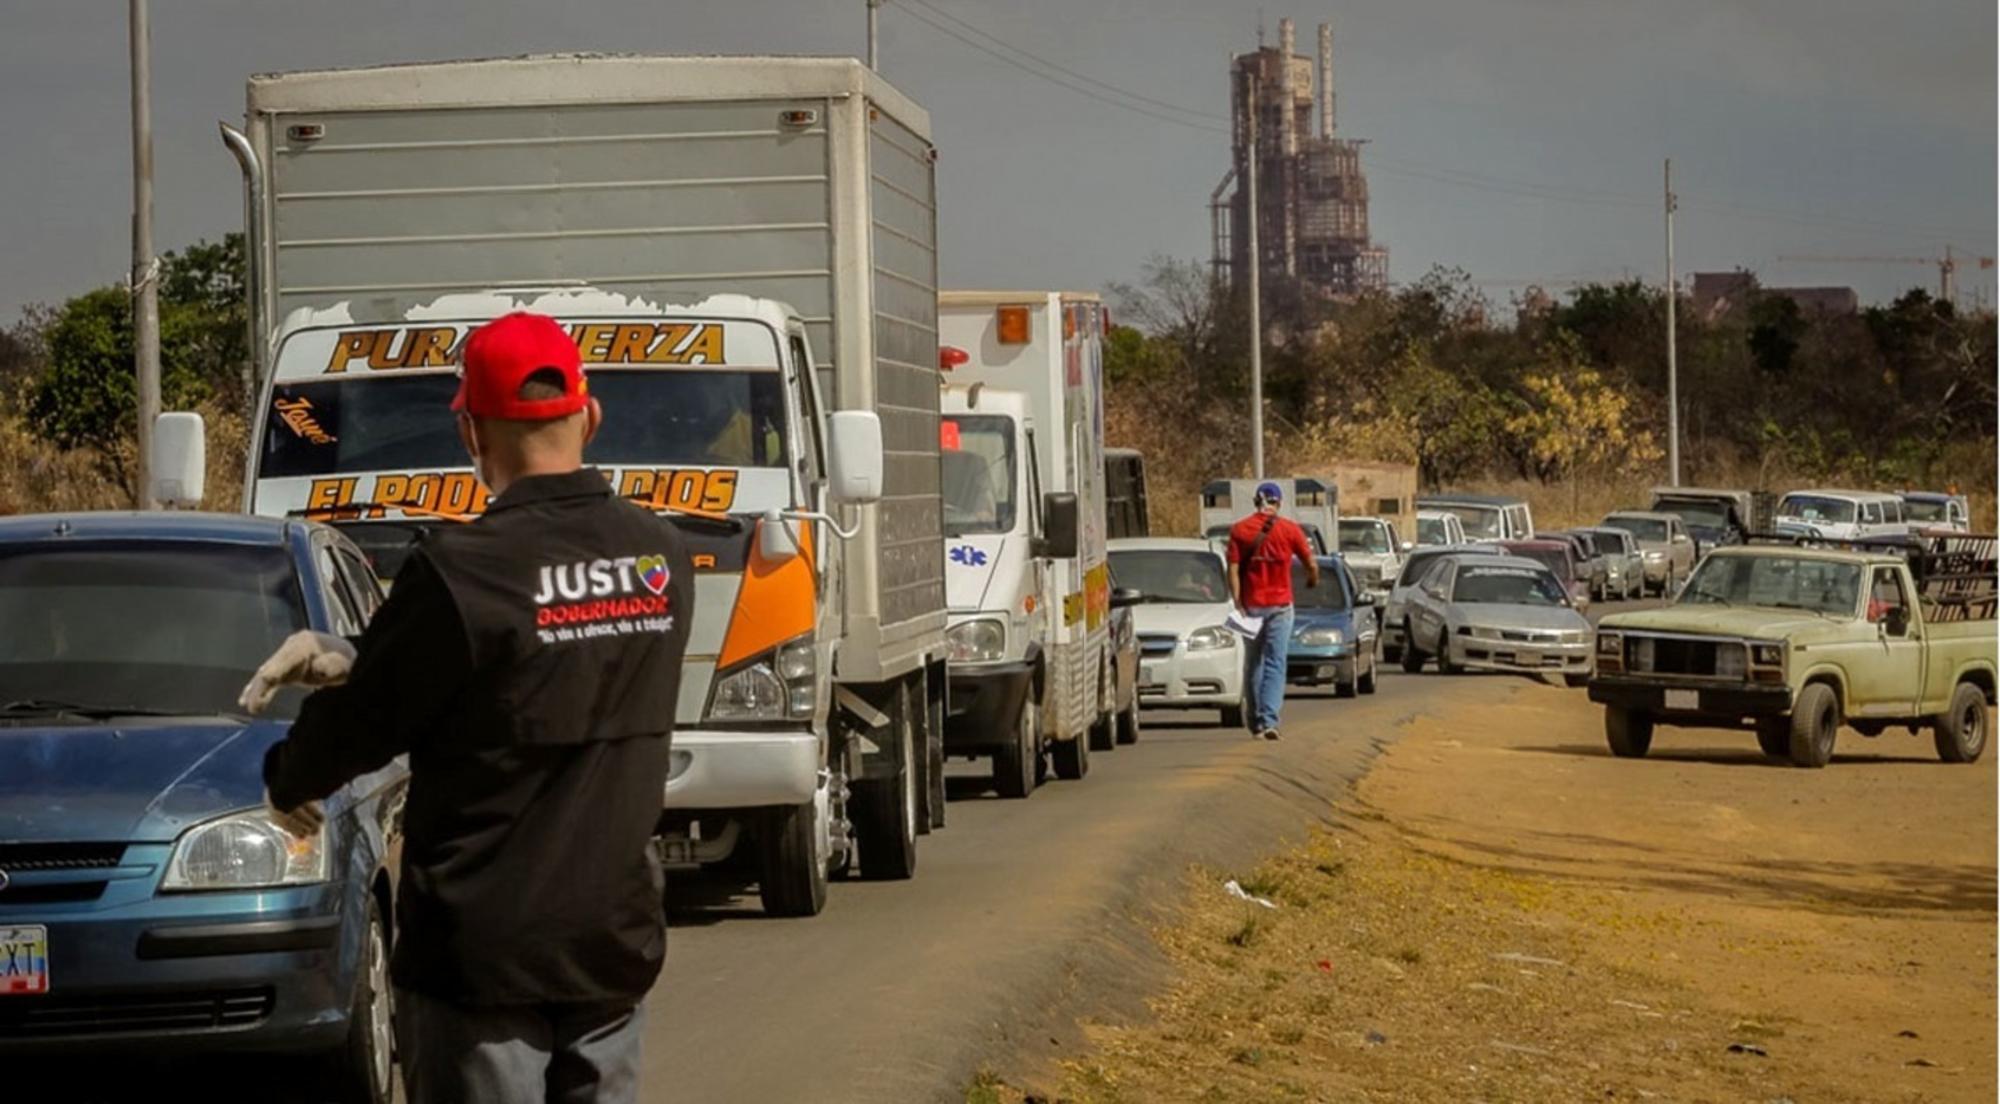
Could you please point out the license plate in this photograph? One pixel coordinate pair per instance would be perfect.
(24, 960)
(1683, 699)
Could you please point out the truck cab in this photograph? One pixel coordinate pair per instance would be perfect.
(1841, 515)
(1312, 502)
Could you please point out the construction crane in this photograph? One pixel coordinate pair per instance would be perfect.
(1947, 267)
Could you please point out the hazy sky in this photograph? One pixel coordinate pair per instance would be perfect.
(1518, 139)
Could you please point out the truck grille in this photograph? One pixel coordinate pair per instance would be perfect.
(57, 1016)
(1667, 655)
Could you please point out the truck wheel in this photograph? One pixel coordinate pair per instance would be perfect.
(1628, 731)
(1815, 724)
(932, 814)
(1365, 682)
(1072, 758)
(1774, 737)
(1412, 659)
(1102, 738)
(1014, 772)
(1961, 730)
(1128, 722)
(1576, 681)
(362, 1064)
(885, 821)
(793, 881)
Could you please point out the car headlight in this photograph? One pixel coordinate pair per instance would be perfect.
(1608, 644)
(1210, 638)
(1655, 555)
(1729, 662)
(1321, 638)
(982, 640)
(1767, 655)
(1480, 632)
(246, 850)
(753, 693)
(1574, 636)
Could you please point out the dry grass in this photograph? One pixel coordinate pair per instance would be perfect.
(36, 477)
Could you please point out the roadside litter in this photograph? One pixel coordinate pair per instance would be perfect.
(1236, 890)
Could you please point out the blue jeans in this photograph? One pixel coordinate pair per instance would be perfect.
(518, 1054)
(1264, 666)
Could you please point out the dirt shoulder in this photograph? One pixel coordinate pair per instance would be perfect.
(1504, 912)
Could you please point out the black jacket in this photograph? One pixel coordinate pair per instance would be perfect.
(528, 663)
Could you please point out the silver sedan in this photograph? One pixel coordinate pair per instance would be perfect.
(1496, 613)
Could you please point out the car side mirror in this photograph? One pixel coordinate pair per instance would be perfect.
(1121, 597)
(1059, 526)
(179, 460)
(1407, 547)
(854, 456)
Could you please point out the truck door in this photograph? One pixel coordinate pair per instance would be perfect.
(1047, 610)
(809, 466)
(1891, 682)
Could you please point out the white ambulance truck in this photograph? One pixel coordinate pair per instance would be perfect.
(743, 250)
(1027, 580)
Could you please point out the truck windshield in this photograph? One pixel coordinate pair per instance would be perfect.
(699, 417)
(1917, 509)
(1432, 530)
(1697, 513)
(977, 469)
(1510, 586)
(1776, 582)
(152, 627)
(1481, 522)
(1363, 536)
(1168, 575)
(1646, 529)
(1817, 508)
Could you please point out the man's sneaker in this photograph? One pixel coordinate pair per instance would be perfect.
(1270, 734)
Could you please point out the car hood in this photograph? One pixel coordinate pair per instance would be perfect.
(1507, 616)
(1709, 620)
(142, 781)
(1179, 618)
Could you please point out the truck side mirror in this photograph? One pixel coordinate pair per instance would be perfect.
(776, 543)
(854, 456)
(179, 460)
(1059, 526)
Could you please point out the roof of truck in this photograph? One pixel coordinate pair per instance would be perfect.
(555, 301)
(580, 78)
(983, 298)
(1836, 492)
(1471, 499)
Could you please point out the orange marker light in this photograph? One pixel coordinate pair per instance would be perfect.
(948, 436)
(1012, 323)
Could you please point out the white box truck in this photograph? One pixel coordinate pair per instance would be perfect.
(743, 249)
(1311, 501)
(1026, 578)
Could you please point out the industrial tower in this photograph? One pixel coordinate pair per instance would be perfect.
(1312, 199)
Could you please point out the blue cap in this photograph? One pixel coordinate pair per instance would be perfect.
(1270, 492)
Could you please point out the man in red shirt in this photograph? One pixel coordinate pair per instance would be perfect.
(1261, 549)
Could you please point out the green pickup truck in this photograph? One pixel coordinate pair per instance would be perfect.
(1791, 640)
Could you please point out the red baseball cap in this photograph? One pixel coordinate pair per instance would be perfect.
(498, 358)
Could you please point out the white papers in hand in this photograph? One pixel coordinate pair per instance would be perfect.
(1242, 624)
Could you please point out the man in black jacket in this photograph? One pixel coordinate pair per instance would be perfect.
(528, 664)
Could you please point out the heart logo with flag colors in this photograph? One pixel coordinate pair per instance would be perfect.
(653, 572)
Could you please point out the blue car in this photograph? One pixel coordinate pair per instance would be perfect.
(147, 900)
(1333, 631)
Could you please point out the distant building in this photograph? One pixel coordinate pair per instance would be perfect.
(1312, 198)
(1715, 294)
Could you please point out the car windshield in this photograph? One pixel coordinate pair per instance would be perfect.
(1917, 509)
(155, 627)
(1171, 575)
(1328, 595)
(1432, 530)
(1363, 536)
(978, 474)
(1481, 522)
(1776, 582)
(1696, 513)
(1513, 586)
(1646, 529)
(1817, 508)
(702, 417)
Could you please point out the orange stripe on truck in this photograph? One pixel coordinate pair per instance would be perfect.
(775, 604)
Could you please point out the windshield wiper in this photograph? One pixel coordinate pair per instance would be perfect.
(46, 707)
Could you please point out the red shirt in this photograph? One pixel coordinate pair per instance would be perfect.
(1267, 579)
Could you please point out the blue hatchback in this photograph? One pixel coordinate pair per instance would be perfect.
(1333, 631)
(147, 900)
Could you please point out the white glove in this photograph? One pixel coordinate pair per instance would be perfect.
(302, 822)
(306, 658)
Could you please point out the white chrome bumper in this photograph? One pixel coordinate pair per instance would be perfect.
(735, 770)
(1206, 678)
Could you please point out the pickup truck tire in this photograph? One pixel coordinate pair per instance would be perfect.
(1128, 722)
(1071, 758)
(886, 809)
(1774, 737)
(1815, 725)
(1014, 774)
(793, 881)
(363, 1072)
(1961, 730)
(1629, 732)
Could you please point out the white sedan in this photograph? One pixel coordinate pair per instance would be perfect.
(1179, 595)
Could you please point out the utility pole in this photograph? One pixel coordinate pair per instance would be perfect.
(1256, 301)
(145, 283)
(1673, 366)
(873, 58)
